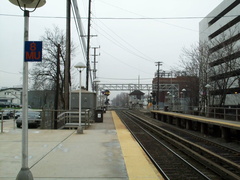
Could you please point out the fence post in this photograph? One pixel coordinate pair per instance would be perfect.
(14, 112)
(43, 119)
(214, 112)
(224, 113)
(2, 122)
(236, 114)
(52, 119)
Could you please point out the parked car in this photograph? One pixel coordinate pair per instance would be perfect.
(5, 114)
(9, 105)
(15, 105)
(34, 119)
(18, 113)
(2, 104)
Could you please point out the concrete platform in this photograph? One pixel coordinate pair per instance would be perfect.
(105, 151)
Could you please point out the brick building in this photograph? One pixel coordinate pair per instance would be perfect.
(174, 87)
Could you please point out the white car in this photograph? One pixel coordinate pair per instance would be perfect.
(34, 119)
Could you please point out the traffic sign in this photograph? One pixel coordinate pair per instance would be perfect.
(33, 51)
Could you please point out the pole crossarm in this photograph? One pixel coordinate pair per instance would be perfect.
(142, 87)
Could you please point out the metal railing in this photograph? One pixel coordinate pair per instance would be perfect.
(49, 117)
(226, 113)
(7, 114)
(55, 119)
(73, 117)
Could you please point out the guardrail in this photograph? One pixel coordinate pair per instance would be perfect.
(50, 118)
(73, 117)
(54, 119)
(226, 113)
(1, 124)
(7, 114)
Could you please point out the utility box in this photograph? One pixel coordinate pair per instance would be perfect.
(98, 115)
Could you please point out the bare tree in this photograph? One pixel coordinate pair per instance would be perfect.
(195, 62)
(216, 63)
(120, 100)
(44, 74)
(224, 67)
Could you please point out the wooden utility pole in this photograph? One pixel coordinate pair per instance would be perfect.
(57, 87)
(88, 45)
(67, 64)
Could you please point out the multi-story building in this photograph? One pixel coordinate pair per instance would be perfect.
(220, 30)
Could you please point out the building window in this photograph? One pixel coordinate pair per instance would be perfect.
(219, 16)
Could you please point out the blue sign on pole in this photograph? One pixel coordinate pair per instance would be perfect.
(33, 51)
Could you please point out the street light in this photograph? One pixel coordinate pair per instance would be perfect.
(28, 3)
(208, 86)
(184, 100)
(80, 66)
(25, 173)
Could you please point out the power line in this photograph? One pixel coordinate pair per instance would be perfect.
(133, 67)
(119, 44)
(126, 18)
(8, 72)
(145, 57)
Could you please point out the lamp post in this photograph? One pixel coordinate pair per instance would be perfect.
(80, 66)
(25, 173)
(208, 86)
(184, 100)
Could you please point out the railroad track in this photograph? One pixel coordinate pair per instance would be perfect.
(181, 155)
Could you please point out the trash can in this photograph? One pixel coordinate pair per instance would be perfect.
(165, 108)
(98, 115)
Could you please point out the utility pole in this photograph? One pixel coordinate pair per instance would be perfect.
(67, 64)
(88, 44)
(94, 62)
(57, 87)
(158, 64)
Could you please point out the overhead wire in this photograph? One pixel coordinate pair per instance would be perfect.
(117, 43)
(8, 72)
(134, 67)
(79, 36)
(128, 18)
(125, 18)
(80, 30)
(144, 56)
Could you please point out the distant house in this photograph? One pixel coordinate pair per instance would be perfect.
(136, 99)
(11, 95)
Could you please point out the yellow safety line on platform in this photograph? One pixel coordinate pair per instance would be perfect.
(138, 165)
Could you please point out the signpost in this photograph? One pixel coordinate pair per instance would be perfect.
(33, 51)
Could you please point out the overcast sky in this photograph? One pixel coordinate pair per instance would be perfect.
(131, 42)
